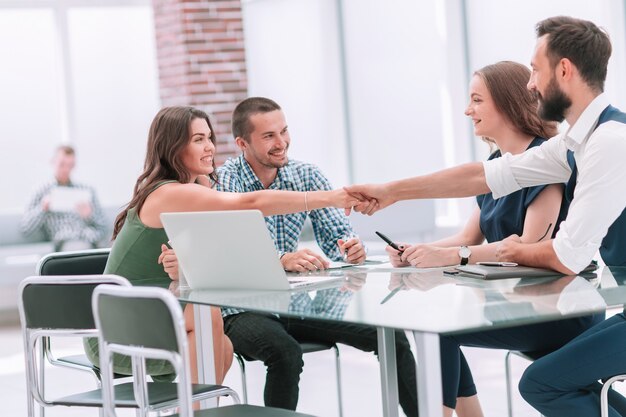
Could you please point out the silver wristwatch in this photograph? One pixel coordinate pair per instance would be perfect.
(464, 254)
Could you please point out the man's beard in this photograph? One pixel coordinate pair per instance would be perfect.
(554, 104)
(271, 164)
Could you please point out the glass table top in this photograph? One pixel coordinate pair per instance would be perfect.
(428, 301)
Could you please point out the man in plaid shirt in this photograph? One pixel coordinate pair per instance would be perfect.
(264, 165)
(260, 131)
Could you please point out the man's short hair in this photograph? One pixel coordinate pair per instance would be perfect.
(586, 45)
(65, 150)
(241, 125)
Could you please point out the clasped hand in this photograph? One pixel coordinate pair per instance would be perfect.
(506, 250)
(371, 197)
(170, 262)
(421, 256)
(305, 260)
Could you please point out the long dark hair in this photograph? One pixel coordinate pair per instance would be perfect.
(506, 82)
(169, 135)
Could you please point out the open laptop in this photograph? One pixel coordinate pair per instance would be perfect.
(231, 250)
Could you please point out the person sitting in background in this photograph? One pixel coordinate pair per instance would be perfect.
(66, 211)
(180, 149)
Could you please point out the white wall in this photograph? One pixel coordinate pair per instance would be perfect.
(104, 110)
(115, 95)
(30, 102)
(292, 56)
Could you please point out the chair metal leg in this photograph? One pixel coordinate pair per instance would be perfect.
(338, 371)
(509, 389)
(244, 384)
(604, 394)
(30, 402)
(42, 368)
(509, 384)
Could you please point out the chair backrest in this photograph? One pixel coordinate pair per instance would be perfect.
(83, 262)
(143, 323)
(61, 302)
(57, 306)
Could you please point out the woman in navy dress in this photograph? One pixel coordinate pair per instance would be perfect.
(504, 114)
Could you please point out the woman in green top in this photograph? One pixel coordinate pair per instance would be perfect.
(181, 149)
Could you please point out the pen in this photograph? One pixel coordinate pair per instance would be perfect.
(389, 242)
(546, 233)
(391, 294)
(495, 263)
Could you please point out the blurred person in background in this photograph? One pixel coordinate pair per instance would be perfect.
(64, 210)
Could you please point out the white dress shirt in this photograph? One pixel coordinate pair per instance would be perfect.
(600, 194)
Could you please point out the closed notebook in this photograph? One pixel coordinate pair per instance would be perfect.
(501, 272)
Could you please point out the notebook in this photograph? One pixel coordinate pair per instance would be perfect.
(500, 272)
(231, 250)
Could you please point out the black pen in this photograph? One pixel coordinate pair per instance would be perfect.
(389, 242)
(546, 233)
(392, 293)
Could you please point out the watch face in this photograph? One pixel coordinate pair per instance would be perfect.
(464, 252)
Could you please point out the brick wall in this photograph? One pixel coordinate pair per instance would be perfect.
(201, 58)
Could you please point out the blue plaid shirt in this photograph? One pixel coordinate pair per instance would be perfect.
(329, 224)
(330, 303)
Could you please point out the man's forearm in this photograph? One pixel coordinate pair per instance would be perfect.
(541, 255)
(462, 181)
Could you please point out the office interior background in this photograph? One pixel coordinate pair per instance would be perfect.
(373, 90)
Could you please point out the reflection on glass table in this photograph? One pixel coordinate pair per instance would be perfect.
(429, 304)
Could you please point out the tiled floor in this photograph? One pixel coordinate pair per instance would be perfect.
(360, 381)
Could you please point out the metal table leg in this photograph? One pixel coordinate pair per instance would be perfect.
(388, 372)
(204, 349)
(428, 363)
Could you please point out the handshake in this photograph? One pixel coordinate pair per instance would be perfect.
(366, 198)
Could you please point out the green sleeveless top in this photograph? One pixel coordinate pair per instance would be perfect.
(134, 256)
(136, 250)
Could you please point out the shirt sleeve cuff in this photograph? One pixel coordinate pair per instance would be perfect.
(499, 176)
(573, 258)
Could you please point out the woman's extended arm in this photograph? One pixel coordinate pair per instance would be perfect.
(175, 197)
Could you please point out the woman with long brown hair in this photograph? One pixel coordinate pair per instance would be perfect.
(180, 153)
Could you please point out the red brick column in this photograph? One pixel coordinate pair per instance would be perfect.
(201, 58)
